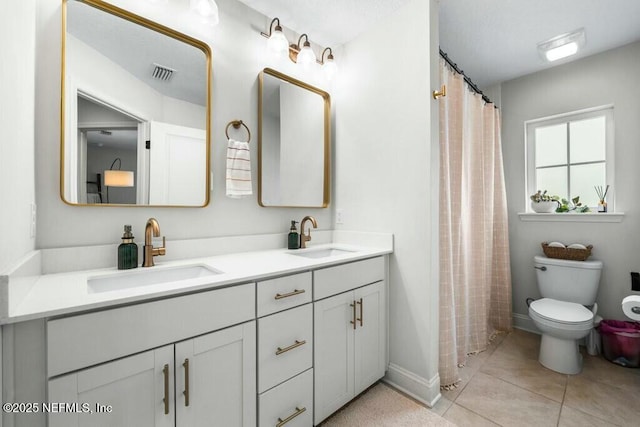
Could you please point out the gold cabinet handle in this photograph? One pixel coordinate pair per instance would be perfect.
(282, 422)
(353, 322)
(290, 294)
(361, 312)
(165, 372)
(291, 347)
(186, 382)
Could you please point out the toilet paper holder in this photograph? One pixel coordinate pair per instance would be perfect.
(631, 307)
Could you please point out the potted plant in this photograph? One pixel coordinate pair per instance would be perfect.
(574, 206)
(541, 202)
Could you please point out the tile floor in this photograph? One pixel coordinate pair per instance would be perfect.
(506, 386)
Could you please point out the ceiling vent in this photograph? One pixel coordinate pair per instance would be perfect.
(105, 132)
(160, 72)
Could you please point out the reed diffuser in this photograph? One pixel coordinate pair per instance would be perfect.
(602, 194)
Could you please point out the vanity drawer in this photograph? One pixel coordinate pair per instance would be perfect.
(288, 399)
(285, 345)
(79, 341)
(335, 280)
(284, 292)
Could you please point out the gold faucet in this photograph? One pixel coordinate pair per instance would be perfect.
(148, 251)
(305, 238)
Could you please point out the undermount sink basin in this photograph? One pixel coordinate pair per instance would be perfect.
(321, 252)
(147, 276)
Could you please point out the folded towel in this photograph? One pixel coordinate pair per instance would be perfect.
(238, 169)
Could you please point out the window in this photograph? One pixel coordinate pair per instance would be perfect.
(568, 155)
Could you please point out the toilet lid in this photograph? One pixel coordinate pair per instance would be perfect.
(561, 311)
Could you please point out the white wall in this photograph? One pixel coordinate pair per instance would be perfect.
(607, 78)
(387, 175)
(17, 78)
(239, 54)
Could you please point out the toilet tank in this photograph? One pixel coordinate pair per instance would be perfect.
(571, 281)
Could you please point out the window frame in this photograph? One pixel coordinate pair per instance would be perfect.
(530, 127)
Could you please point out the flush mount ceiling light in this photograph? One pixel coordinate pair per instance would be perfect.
(207, 9)
(277, 44)
(562, 46)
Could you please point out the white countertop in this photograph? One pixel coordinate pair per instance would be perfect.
(38, 296)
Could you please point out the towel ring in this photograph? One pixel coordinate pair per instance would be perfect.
(236, 125)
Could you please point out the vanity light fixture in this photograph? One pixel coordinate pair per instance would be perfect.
(278, 43)
(304, 54)
(300, 53)
(329, 65)
(206, 9)
(562, 46)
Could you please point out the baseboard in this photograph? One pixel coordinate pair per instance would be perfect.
(524, 322)
(421, 389)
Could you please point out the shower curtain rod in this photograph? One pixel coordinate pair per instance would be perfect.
(471, 84)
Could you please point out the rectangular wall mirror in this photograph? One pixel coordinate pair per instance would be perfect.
(136, 108)
(294, 139)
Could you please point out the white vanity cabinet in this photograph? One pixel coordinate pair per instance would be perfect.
(349, 333)
(206, 380)
(285, 351)
(133, 387)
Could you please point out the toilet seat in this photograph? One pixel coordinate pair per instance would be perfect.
(563, 314)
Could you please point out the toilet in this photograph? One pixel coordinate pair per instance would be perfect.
(566, 310)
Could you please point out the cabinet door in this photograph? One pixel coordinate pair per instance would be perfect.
(216, 378)
(333, 351)
(370, 335)
(134, 387)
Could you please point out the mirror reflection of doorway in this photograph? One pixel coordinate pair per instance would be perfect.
(109, 145)
(110, 149)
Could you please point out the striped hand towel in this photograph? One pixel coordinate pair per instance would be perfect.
(238, 169)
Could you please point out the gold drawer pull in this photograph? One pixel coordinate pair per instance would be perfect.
(282, 422)
(165, 372)
(290, 294)
(291, 347)
(186, 382)
(361, 312)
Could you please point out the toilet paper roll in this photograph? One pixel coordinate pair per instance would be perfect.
(631, 307)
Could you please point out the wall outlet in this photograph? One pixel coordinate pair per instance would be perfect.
(339, 216)
(33, 220)
(635, 281)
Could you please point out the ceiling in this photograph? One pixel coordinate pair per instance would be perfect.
(137, 49)
(491, 40)
(495, 40)
(327, 22)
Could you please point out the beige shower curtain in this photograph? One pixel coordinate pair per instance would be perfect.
(475, 276)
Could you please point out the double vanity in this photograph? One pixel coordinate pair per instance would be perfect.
(265, 338)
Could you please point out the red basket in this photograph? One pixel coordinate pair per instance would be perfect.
(621, 342)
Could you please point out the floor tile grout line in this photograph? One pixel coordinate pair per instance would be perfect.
(473, 412)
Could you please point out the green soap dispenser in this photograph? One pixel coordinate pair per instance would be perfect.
(127, 251)
(294, 239)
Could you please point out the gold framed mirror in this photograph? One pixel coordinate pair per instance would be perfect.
(294, 141)
(135, 110)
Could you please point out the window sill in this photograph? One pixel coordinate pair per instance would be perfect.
(572, 217)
